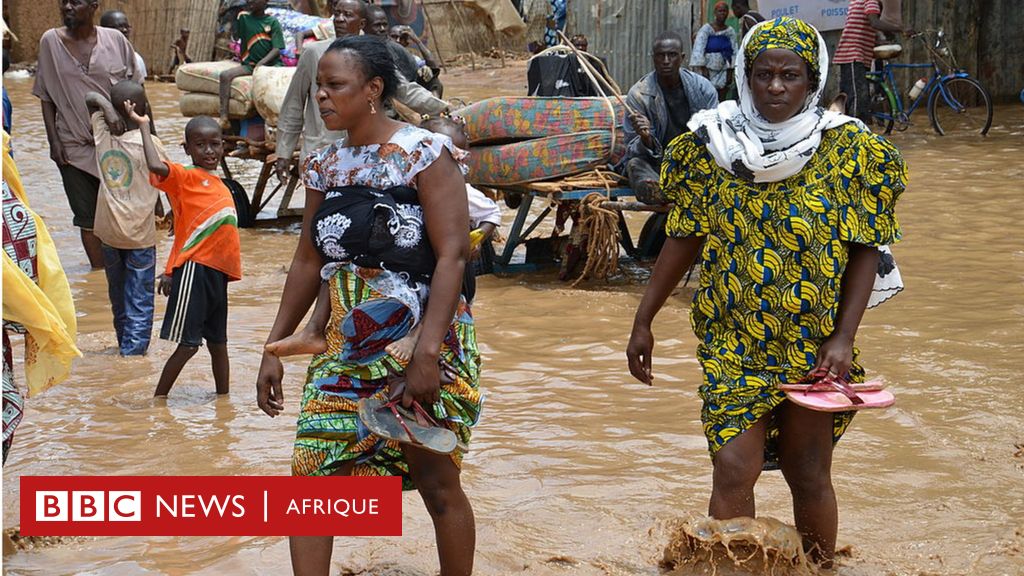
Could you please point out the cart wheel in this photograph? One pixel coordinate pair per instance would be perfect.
(246, 219)
(652, 237)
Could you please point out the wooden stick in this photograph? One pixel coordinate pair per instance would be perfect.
(433, 34)
(462, 24)
(634, 206)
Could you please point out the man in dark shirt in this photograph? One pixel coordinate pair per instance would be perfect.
(660, 106)
(747, 17)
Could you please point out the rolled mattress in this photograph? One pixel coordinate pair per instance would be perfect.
(507, 119)
(541, 159)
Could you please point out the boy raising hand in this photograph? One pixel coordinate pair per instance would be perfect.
(206, 254)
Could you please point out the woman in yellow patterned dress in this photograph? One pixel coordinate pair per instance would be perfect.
(787, 204)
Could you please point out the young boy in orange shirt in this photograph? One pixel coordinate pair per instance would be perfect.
(206, 254)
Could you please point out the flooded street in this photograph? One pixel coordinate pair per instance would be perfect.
(575, 468)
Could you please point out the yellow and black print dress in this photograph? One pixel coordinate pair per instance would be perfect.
(773, 260)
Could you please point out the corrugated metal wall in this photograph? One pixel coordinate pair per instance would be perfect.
(623, 31)
(985, 35)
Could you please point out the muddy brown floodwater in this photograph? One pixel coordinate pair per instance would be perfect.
(574, 468)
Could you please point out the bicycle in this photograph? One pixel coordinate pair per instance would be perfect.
(957, 102)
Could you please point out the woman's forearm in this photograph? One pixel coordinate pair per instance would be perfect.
(445, 290)
(299, 292)
(675, 259)
(303, 281)
(858, 281)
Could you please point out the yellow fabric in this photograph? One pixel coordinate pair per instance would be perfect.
(45, 310)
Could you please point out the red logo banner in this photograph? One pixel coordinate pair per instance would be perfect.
(211, 506)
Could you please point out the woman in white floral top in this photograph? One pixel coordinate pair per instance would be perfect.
(375, 303)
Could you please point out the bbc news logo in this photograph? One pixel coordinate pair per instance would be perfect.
(88, 506)
(210, 506)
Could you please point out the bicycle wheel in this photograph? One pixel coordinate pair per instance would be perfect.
(965, 108)
(881, 108)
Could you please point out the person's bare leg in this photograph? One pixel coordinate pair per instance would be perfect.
(311, 555)
(737, 467)
(226, 77)
(805, 456)
(93, 249)
(173, 367)
(221, 366)
(437, 479)
(403, 348)
(311, 339)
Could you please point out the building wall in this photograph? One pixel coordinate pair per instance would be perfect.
(984, 35)
(622, 32)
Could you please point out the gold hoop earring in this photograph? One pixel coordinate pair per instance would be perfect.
(373, 109)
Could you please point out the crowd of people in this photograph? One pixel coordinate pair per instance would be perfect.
(787, 206)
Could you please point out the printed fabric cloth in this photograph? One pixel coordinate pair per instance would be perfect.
(37, 301)
(746, 144)
(772, 262)
(775, 230)
(715, 50)
(371, 308)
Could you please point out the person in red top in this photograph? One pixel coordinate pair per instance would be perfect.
(206, 253)
(854, 54)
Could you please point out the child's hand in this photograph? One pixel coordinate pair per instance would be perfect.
(114, 122)
(129, 108)
(164, 284)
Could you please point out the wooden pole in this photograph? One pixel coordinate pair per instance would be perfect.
(433, 34)
(462, 25)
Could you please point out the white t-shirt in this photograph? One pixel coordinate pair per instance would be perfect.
(481, 208)
(124, 208)
(140, 68)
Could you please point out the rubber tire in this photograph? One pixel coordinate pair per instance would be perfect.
(882, 104)
(655, 225)
(935, 99)
(243, 209)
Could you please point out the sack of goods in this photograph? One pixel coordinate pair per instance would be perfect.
(258, 95)
(200, 82)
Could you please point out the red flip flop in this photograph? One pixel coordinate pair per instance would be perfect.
(833, 394)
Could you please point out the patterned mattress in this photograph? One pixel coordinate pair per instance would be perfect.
(521, 140)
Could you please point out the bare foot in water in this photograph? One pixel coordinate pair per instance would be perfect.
(305, 342)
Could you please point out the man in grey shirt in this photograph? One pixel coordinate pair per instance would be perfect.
(299, 112)
(662, 102)
(74, 60)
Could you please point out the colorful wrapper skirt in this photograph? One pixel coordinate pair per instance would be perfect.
(737, 397)
(356, 365)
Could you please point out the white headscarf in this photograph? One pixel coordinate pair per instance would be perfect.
(746, 144)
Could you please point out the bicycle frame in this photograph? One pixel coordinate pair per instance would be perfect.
(887, 80)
